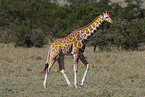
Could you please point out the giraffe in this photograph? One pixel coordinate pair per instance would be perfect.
(73, 44)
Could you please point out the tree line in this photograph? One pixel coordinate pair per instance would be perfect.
(38, 22)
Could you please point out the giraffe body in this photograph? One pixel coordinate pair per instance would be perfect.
(74, 44)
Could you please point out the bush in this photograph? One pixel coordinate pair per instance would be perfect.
(34, 22)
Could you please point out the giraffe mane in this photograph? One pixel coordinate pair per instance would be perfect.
(88, 24)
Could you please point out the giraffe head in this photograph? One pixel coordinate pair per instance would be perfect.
(106, 17)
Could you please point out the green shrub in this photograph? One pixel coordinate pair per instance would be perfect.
(36, 22)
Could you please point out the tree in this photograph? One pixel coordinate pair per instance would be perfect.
(138, 2)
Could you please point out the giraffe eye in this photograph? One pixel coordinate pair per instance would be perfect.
(107, 17)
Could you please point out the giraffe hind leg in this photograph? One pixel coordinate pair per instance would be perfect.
(61, 67)
(67, 80)
(76, 59)
(47, 70)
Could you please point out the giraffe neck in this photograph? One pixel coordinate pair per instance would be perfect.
(89, 29)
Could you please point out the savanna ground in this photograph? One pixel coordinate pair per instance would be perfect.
(111, 74)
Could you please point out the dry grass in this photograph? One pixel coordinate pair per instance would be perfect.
(112, 74)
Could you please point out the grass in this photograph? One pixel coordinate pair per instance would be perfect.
(111, 74)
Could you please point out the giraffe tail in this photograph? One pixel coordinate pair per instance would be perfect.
(46, 64)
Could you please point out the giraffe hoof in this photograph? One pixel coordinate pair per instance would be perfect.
(44, 87)
(81, 85)
(70, 85)
(76, 86)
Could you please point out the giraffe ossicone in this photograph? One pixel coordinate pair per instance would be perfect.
(73, 44)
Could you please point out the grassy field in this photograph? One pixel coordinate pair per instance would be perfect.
(112, 74)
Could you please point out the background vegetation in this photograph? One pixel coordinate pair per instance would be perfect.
(38, 22)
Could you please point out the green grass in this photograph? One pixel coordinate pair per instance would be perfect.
(111, 74)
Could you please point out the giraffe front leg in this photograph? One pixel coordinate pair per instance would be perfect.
(85, 74)
(75, 69)
(82, 58)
